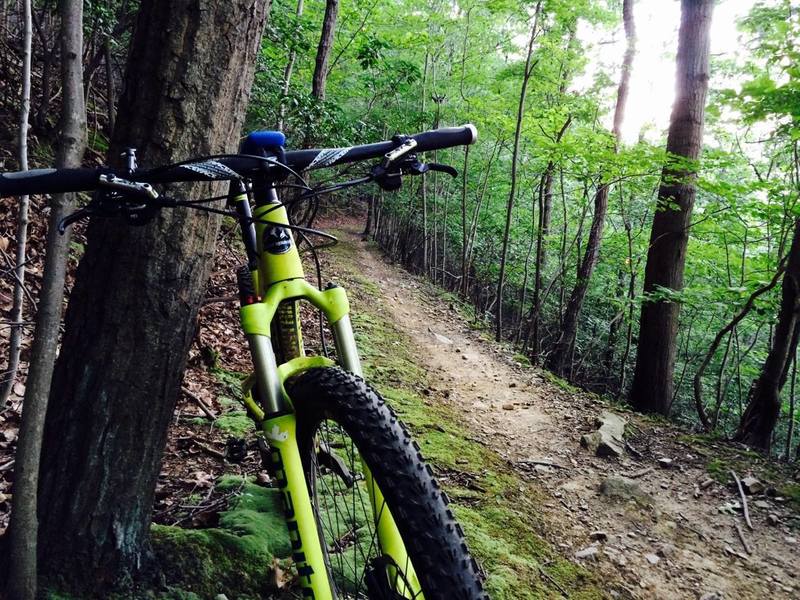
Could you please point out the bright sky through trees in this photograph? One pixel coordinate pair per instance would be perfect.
(652, 82)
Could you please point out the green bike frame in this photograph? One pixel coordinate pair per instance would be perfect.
(272, 327)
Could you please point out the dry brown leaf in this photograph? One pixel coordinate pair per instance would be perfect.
(202, 479)
(279, 578)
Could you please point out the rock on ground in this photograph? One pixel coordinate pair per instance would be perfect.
(622, 488)
(608, 440)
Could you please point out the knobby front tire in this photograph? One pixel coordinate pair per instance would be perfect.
(340, 414)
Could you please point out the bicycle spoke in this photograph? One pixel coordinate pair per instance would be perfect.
(345, 533)
(317, 476)
(333, 519)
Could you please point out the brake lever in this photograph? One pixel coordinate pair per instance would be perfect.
(110, 204)
(443, 168)
(390, 178)
(78, 215)
(419, 168)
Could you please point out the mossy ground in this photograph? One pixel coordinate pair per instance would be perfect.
(236, 557)
(497, 508)
(233, 421)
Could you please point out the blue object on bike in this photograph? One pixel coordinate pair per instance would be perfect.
(262, 140)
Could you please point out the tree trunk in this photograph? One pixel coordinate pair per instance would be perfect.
(464, 177)
(476, 214)
(9, 376)
(652, 385)
(110, 95)
(787, 454)
(513, 191)
(697, 382)
(370, 214)
(43, 106)
(558, 361)
(764, 406)
(324, 49)
(22, 546)
(132, 310)
(423, 182)
(543, 227)
(287, 75)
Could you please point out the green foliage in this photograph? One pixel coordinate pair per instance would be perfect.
(235, 423)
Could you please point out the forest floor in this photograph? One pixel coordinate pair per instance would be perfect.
(546, 517)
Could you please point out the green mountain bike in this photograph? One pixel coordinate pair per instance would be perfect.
(366, 517)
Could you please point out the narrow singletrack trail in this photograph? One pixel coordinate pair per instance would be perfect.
(668, 538)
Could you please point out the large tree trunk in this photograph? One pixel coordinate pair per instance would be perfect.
(764, 407)
(559, 359)
(652, 385)
(131, 314)
(324, 49)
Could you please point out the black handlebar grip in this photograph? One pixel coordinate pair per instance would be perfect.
(446, 137)
(48, 181)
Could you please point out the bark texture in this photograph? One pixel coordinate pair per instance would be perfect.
(131, 314)
(764, 406)
(652, 387)
(559, 359)
(324, 49)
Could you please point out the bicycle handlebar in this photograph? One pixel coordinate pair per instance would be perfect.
(228, 167)
(436, 139)
(49, 181)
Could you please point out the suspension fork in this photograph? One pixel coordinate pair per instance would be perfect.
(269, 289)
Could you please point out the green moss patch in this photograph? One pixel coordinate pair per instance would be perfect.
(236, 558)
(235, 423)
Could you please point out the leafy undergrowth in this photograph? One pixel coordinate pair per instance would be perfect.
(495, 506)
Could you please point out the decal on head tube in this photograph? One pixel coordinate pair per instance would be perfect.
(276, 240)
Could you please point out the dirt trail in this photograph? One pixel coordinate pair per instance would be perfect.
(674, 544)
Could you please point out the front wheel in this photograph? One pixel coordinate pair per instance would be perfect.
(364, 470)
